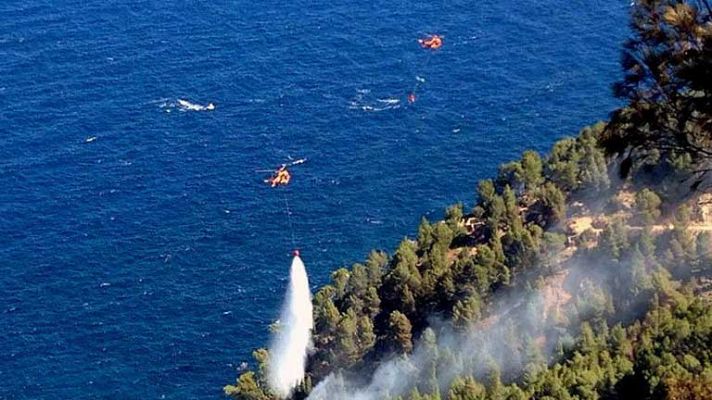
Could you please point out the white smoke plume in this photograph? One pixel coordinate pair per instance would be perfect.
(526, 327)
(472, 351)
(288, 352)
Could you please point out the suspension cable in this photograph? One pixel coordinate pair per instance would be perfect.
(289, 218)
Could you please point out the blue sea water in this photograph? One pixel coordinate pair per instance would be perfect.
(141, 255)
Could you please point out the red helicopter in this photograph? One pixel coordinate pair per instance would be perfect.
(281, 176)
(432, 42)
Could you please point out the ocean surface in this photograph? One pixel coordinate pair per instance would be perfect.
(141, 254)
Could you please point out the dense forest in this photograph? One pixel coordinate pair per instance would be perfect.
(581, 274)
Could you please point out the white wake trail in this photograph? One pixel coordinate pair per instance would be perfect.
(288, 353)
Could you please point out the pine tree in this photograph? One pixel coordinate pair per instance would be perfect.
(246, 388)
(466, 389)
(466, 312)
(340, 277)
(563, 164)
(425, 235)
(667, 65)
(647, 202)
(593, 170)
(532, 168)
(375, 264)
(400, 336)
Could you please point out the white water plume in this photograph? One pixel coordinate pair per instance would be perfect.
(290, 344)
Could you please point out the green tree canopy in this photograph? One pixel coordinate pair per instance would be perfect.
(667, 64)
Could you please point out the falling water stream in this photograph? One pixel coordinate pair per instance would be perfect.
(288, 352)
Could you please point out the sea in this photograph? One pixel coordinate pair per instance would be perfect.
(142, 256)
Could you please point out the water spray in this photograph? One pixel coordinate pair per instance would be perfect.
(288, 353)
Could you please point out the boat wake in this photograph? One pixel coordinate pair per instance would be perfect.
(183, 105)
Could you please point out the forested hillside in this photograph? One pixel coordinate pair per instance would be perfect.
(584, 273)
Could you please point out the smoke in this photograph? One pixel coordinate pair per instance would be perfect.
(514, 339)
(527, 327)
(291, 342)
